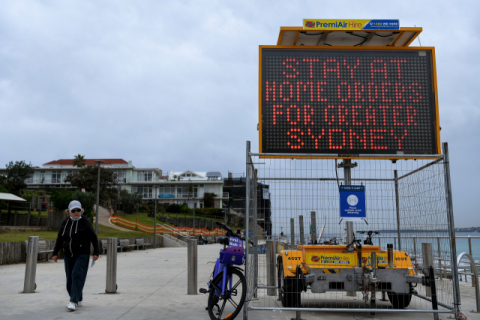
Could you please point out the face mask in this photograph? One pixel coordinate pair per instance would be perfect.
(75, 219)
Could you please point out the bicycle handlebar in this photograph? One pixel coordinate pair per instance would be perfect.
(230, 233)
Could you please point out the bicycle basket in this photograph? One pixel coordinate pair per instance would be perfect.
(231, 258)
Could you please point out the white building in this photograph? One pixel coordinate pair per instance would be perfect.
(149, 182)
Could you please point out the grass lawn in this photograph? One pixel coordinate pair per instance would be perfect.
(34, 213)
(103, 232)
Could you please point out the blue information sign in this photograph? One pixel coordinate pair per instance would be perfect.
(352, 203)
(166, 196)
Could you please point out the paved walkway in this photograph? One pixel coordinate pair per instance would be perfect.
(152, 284)
(104, 219)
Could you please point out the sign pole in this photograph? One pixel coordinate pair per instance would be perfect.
(347, 173)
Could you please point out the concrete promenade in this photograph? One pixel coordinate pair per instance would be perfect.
(152, 284)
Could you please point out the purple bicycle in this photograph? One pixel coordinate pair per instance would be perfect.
(227, 287)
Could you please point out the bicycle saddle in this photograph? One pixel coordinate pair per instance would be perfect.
(223, 240)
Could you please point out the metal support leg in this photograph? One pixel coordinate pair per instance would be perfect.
(111, 286)
(29, 285)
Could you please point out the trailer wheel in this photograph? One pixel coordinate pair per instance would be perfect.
(289, 292)
(399, 300)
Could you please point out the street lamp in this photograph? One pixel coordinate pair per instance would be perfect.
(98, 195)
(155, 220)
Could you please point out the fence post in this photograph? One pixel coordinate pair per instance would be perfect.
(192, 263)
(0, 217)
(470, 253)
(15, 218)
(29, 285)
(271, 267)
(451, 228)
(439, 259)
(111, 286)
(415, 248)
(302, 232)
(39, 217)
(314, 226)
(397, 206)
(29, 216)
(292, 233)
(247, 222)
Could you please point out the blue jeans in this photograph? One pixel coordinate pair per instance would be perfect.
(76, 270)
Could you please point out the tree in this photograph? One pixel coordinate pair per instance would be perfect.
(61, 198)
(17, 173)
(208, 199)
(87, 176)
(88, 200)
(129, 200)
(79, 161)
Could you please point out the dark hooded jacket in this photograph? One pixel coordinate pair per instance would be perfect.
(76, 236)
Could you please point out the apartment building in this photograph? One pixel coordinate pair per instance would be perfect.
(149, 182)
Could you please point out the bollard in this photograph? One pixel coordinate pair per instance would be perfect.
(314, 226)
(192, 263)
(390, 255)
(470, 252)
(373, 264)
(111, 286)
(29, 285)
(302, 233)
(415, 249)
(292, 233)
(271, 268)
(427, 262)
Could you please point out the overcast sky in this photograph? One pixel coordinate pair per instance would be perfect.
(174, 84)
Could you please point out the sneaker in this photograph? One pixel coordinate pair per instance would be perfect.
(80, 303)
(71, 306)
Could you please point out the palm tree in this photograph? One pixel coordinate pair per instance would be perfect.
(79, 161)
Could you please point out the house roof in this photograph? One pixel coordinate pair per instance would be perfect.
(69, 162)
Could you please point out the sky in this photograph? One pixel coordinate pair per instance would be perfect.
(174, 84)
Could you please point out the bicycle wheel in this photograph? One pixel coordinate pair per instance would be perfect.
(229, 305)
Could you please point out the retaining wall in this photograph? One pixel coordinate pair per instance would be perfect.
(15, 252)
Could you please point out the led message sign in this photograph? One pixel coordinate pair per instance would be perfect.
(339, 101)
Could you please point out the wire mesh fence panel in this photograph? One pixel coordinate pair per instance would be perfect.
(306, 258)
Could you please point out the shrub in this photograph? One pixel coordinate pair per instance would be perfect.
(199, 211)
(173, 208)
(61, 198)
(185, 209)
(143, 208)
(214, 212)
(161, 209)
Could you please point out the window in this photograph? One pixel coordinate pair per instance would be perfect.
(182, 191)
(144, 176)
(145, 191)
(56, 175)
(120, 176)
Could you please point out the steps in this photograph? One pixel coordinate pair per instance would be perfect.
(170, 241)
